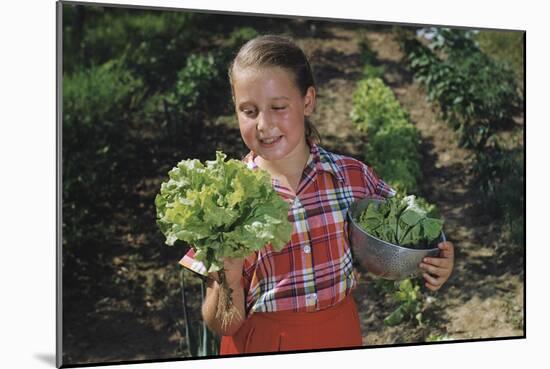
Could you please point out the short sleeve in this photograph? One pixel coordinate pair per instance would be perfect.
(380, 188)
(188, 261)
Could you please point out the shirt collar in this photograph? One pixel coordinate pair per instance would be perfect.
(320, 159)
(325, 161)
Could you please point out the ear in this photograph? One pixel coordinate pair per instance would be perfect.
(309, 101)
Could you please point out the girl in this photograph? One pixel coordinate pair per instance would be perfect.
(300, 297)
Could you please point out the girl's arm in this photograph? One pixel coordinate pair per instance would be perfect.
(233, 274)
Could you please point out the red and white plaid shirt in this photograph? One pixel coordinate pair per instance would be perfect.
(314, 269)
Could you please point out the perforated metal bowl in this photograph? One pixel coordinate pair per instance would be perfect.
(381, 258)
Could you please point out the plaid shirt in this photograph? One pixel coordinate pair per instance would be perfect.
(314, 269)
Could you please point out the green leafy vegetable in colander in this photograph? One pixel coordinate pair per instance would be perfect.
(401, 221)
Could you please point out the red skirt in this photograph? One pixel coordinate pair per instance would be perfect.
(334, 327)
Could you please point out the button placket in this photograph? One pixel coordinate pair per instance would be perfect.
(309, 283)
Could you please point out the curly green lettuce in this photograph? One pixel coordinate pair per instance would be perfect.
(223, 209)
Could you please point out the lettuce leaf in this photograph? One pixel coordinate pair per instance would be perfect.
(221, 208)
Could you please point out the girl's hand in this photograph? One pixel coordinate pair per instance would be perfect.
(233, 268)
(438, 270)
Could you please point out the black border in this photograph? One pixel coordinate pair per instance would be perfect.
(286, 16)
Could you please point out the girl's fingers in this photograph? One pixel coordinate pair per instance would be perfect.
(439, 262)
(432, 269)
(431, 282)
(447, 249)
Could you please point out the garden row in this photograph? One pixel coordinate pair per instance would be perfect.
(392, 149)
(480, 98)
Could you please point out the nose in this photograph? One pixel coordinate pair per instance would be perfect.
(264, 122)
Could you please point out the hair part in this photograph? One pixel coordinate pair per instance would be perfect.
(282, 52)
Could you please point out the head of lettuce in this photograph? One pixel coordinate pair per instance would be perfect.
(222, 209)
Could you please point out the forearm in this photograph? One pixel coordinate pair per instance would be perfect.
(211, 303)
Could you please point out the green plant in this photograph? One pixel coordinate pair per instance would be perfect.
(240, 36)
(222, 208)
(186, 106)
(475, 94)
(393, 151)
(393, 143)
(409, 298)
(400, 220)
(154, 42)
(374, 106)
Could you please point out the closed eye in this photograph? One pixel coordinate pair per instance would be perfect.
(249, 112)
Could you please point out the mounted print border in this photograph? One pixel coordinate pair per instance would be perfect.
(140, 88)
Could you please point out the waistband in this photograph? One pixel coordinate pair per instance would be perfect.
(291, 317)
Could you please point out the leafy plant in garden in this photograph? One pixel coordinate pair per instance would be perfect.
(409, 298)
(223, 209)
(392, 146)
(186, 106)
(393, 151)
(375, 106)
(154, 42)
(240, 36)
(479, 96)
(476, 94)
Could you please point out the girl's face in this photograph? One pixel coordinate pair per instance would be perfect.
(271, 111)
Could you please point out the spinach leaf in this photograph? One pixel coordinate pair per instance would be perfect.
(401, 220)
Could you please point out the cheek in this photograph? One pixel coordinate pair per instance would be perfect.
(248, 130)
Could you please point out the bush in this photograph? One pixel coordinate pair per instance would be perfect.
(476, 94)
(393, 143)
(393, 150)
(374, 105)
(155, 43)
(201, 89)
(240, 36)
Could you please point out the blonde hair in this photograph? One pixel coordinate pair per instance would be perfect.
(282, 52)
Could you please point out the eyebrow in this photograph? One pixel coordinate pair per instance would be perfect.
(273, 98)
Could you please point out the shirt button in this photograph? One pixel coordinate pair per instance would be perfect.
(312, 296)
(307, 249)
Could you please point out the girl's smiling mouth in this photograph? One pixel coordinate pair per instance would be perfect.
(270, 141)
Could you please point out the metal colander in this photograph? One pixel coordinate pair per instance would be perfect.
(381, 258)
